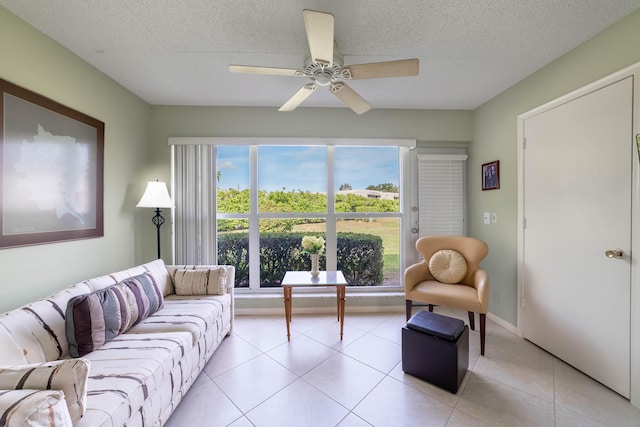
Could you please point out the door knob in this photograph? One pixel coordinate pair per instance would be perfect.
(614, 253)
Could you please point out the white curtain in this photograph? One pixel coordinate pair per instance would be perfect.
(194, 177)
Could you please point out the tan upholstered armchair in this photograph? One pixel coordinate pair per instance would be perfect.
(459, 281)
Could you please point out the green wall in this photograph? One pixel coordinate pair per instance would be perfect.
(494, 138)
(35, 62)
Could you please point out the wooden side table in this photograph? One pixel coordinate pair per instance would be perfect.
(303, 279)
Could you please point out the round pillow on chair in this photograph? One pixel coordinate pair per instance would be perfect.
(448, 266)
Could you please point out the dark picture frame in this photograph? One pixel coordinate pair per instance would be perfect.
(51, 170)
(491, 175)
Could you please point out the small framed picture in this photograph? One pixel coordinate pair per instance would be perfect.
(491, 175)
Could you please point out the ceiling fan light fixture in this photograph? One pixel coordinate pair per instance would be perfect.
(323, 78)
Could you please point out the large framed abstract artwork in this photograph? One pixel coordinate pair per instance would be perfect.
(51, 170)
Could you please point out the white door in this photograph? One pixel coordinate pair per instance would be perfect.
(577, 205)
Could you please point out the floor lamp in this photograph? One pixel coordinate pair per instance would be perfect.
(156, 196)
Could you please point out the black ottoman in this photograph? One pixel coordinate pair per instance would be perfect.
(435, 348)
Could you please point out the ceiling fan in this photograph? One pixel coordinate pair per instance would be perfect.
(325, 67)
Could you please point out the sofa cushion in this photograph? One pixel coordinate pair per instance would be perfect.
(33, 408)
(448, 266)
(35, 333)
(193, 314)
(210, 281)
(160, 273)
(96, 318)
(101, 282)
(69, 376)
(127, 370)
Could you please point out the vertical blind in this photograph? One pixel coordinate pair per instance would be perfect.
(441, 194)
(195, 213)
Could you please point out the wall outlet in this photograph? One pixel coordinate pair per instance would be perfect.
(487, 218)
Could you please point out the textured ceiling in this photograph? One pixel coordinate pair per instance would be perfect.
(177, 52)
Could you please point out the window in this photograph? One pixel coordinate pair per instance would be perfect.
(370, 207)
(270, 195)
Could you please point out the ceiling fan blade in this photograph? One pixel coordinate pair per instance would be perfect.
(402, 68)
(319, 26)
(350, 98)
(250, 69)
(299, 97)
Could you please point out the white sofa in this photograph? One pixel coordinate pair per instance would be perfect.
(135, 379)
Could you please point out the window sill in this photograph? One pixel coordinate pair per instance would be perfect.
(319, 302)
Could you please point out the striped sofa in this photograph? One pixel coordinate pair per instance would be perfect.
(133, 378)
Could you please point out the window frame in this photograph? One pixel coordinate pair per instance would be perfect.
(330, 216)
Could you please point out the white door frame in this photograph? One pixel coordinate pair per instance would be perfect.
(633, 70)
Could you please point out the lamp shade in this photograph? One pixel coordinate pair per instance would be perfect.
(155, 196)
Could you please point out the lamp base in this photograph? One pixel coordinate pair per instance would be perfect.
(158, 220)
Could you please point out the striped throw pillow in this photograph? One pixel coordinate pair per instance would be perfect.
(19, 408)
(209, 281)
(69, 376)
(149, 299)
(94, 319)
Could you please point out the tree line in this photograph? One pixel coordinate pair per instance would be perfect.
(387, 187)
(238, 201)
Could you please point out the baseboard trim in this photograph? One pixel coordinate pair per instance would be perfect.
(319, 303)
(503, 323)
(271, 305)
(272, 311)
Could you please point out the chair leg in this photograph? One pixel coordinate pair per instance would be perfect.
(408, 305)
(482, 326)
(472, 321)
(431, 308)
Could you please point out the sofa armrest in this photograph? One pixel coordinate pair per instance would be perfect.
(231, 278)
(29, 407)
(68, 376)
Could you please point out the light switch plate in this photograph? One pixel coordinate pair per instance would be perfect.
(494, 218)
(487, 218)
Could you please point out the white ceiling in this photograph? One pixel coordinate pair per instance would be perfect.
(172, 52)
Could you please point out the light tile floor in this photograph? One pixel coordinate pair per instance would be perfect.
(257, 378)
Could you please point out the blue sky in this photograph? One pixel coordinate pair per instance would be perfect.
(304, 167)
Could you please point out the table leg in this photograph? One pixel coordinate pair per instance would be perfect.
(287, 309)
(290, 297)
(342, 297)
